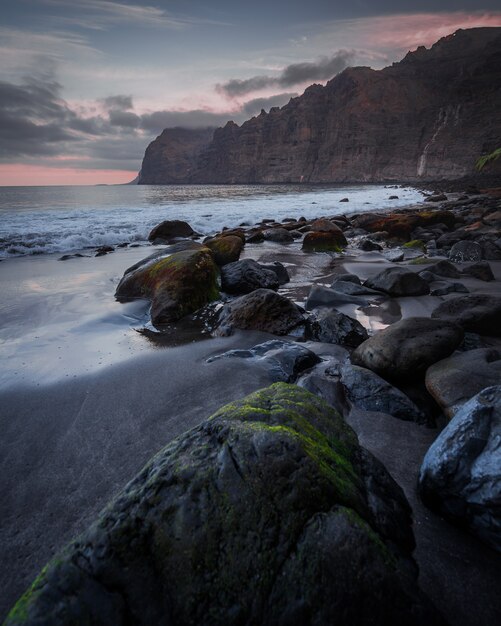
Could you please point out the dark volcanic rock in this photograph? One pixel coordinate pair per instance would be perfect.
(443, 287)
(453, 381)
(280, 271)
(262, 309)
(285, 360)
(176, 284)
(268, 513)
(324, 241)
(367, 245)
(463, 251)
(326, 297)
(398, 281)
(331, 326)
(170, 229)
(245, 276)
(407, 348)
(445, 269)
(481, 270)
(461, 473)
(477, 313)
(225, 249)
(278, 235)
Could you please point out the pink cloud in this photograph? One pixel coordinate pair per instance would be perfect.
(17, 174)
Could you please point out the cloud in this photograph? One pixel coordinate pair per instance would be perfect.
(294, 74)
(251, 107)
(198, 118)
(119, 102)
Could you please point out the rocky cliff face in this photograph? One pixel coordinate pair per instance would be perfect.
(427, 117)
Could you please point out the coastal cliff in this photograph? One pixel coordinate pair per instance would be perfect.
(428, 117)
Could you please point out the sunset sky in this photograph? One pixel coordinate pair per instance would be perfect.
(85, 85)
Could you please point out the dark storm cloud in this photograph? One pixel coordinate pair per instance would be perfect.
(120, 102)
(294, 74)
(251, 107)
(124, 119)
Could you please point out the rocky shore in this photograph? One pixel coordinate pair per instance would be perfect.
(309, 501)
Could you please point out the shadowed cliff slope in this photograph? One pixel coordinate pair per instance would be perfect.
(428, 117)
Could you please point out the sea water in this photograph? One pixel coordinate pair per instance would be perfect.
(41, 220)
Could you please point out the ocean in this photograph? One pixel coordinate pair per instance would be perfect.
(44, 220)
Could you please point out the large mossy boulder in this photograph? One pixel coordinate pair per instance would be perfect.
(177, 284)
(225, 249)
(267, 513)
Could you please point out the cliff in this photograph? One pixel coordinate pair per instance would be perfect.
(428, 117)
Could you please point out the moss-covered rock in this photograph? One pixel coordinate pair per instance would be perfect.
(225, 249)
(324, 241)
(177, 284)
(267, 513)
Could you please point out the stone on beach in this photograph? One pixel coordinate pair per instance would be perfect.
(269, 512)
(476, 313)
(324, 241)
(330, 326)
(225, 249)
(398, 281)
(171, 229)
(245, 276)
(407, 348)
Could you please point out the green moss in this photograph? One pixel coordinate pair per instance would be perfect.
(487, 158)
(415, 244)
(20, 611)
(381, 548)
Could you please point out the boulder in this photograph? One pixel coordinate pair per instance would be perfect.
(395, 256)
(460, 477)
(331, 326)
(443, 287)
(368, 246)
(407, 348)
(453, 381)
(262, 309)
(270, 512)
(280, 270)
(481, 270)
(323, 225)
(398, 281)
(347, 278)
(476, 313)
(278, 235)
(326, 297)
(245, 276)
(437, 197)
(284, 360)
(225, 249)
(444, 268)
(351, 288)
(177, 284)
(171, 229)
(464, 251)
(331, 241)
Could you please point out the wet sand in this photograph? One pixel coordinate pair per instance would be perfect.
(87, 400)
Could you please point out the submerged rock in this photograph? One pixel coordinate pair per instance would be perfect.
(177, 284)
(460, 477)
(245, 276)
(398, 281)
(476, 313)
(262, 309)
(407, 348)
(268, 513)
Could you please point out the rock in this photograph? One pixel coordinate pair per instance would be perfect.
(478, 313)
(444, 268)
(407, 348)
(177, 284)
(102, 250)
(460, 477)
(437, 197)
(344, 200)
(268, 513)
(246, 276)
(324, 296)
(453, 381)
(395, 256)
(352, 289)
(262, 309)
(256, 237)
(278, 235)
(443, 287)
(490, 251)
(77, 255)
(398, 281)
(334, 327)
(481, 270)
(464, 251)
(323, 225)
(367, 391)
(367, 245)
(285, 360)
(392, 197)
(331, 241)
(347, 278)
(225, 249)
(171, 229)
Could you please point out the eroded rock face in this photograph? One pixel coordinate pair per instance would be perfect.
(262, 309)
(436, 102)
(269, 512)
(461, 473)
(177, 284)
(407, 348)
(477, 313)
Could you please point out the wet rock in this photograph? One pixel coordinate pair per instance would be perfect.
(395, 256)
(481, 270)
(476, 313)
(331, 326)
(262, 309)
(398, 281)
(437, 197)
(171, 229)
(245, 276)
(278, 235)
(102, 250)
(177, 284)
(344, 200)
(368, 246)
(490, 251)
(392, 197)
(240, 519)
(352, 289)
(368, 391)
(283, 359)
(256, 237)
(330, 241)
(464, 251)
(453, 381)
(323, 225)
(460, 477)
(280, 270)
(443, 287)
(225, 249)
(444, 268)
(325, 297)
(407, 348)
(77, 255)
(347, 278)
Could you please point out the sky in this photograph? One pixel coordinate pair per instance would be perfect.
(85, 85)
